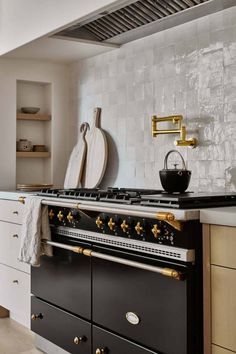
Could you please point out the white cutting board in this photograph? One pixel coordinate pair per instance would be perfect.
(76, 162)
(97, 152)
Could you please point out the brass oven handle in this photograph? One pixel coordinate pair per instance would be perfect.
(168, 272)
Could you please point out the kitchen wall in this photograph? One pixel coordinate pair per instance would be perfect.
(189, 70)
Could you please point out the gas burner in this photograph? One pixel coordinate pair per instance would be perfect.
(144, 197)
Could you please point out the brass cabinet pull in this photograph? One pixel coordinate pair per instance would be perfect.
(100, 351)
(78, 340)
(15, 236)
(35, 316)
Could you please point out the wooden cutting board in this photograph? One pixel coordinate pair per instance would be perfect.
(97, 152)
(76, 162)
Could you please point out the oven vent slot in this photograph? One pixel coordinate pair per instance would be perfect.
(140, 246)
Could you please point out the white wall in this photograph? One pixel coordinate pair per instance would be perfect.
(189, 70)
(12, 70)
(22, 21)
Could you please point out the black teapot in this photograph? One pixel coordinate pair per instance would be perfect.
(174, 180)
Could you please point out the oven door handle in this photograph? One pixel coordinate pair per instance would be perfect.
(169, 272)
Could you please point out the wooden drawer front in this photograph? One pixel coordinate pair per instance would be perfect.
(15, 292)
(11, 211)
(60, 327)
(223, 246)
(10, 246)
(223, 307)
(217, 350)
(114, 344)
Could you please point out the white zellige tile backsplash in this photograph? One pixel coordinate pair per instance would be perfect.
(189, 70)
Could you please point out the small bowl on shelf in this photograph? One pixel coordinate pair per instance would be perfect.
(30, 110)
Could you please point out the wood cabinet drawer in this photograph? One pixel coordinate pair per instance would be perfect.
(223, 245)
(218, 350)
(15, 292)
(10, 245)
(223, 295)
(60, 327)
(11, 211)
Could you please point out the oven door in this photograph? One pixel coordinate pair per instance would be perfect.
(149, 308)
(64, 280)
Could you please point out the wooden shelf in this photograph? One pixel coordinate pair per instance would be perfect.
(43, 154)
(28, 116)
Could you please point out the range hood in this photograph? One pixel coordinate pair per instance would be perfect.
(137, 19)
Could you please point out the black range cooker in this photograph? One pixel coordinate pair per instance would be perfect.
(126, 271)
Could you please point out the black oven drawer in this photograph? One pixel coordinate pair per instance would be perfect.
(146, 307)
(113, 344)
(61, 328)
(64, 280)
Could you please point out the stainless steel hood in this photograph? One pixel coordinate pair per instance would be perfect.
(137, 19)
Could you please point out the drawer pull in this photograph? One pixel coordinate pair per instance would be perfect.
(15, 212)
(35, 317)
(100, 351)
(78, 340)
(15, 236)
(15, 282)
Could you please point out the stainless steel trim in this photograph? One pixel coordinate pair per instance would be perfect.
(154, 249)
(131, 20)
(160, 270)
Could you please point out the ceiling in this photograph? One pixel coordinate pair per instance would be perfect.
(58, 50)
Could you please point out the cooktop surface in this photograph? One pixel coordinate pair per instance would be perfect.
(145, 197)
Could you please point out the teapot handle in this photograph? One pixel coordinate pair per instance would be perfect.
(166, 158)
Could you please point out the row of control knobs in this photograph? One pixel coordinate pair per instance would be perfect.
(111, 223)
(125, 226)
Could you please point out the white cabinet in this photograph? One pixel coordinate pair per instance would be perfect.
(14, 275)
(34, 167)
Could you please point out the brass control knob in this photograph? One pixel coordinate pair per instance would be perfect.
(124, 226)
(156, 231)
(99, 222)
(100, 351)
(70, 217)
(78, 340)
(60, 216)
(139, 228)
(35, 317)
(51, 214)
(111, 224)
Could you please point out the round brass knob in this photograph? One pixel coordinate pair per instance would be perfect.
(78, 340)
(99, 222)
(124, 226)
(111, 224)
(70, 217)
(35, 317)
(100, 351)
(51, 214)
(139, 228)
(60, 216)
(156, 232)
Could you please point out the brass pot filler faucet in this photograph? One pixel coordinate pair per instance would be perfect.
(181, 130)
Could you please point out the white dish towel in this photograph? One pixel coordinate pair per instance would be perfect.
(34, 229)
